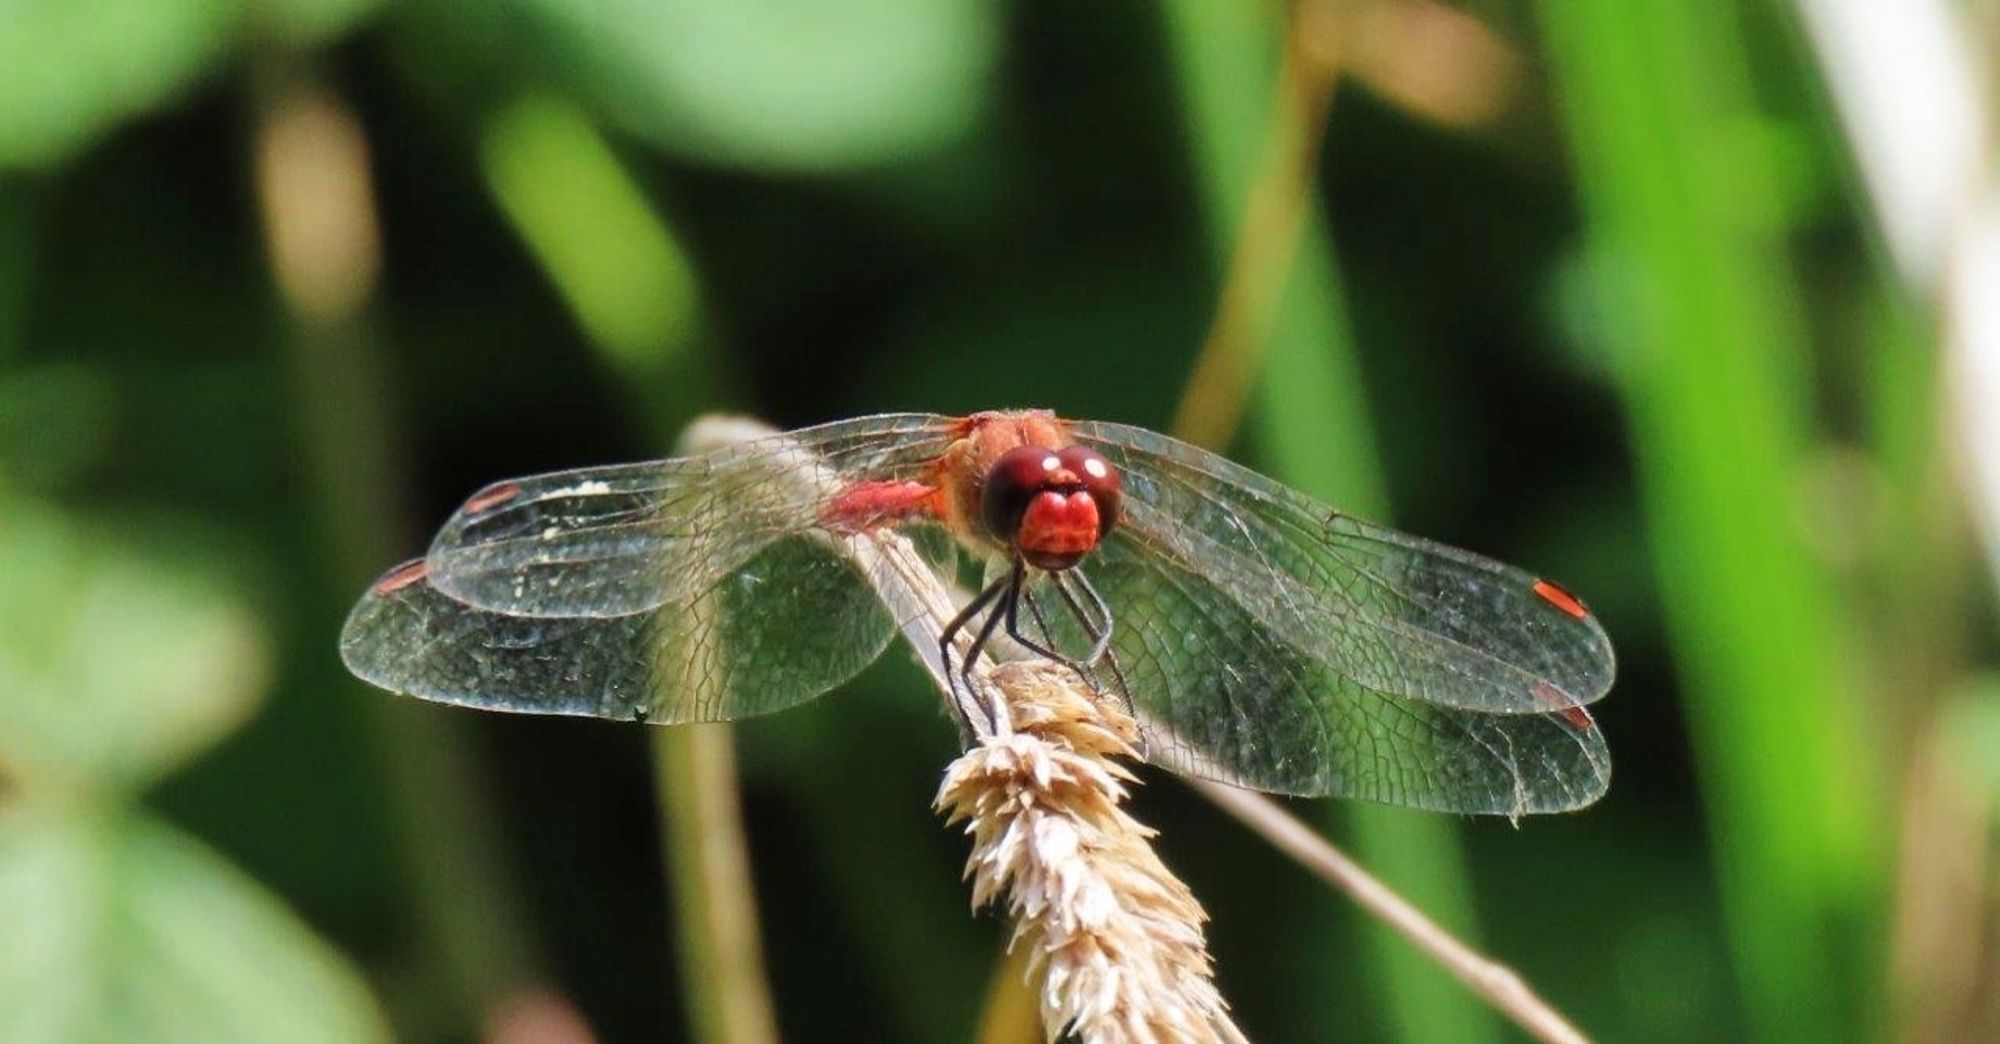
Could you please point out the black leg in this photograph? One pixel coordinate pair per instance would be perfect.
(1021, 595)
(950, 632)
(1102, 649)
(1047, 652)
(972, 657)
(1085, 669)
(1049, 636)
(1099, 632)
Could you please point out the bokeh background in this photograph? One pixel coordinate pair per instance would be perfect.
(1682, 303)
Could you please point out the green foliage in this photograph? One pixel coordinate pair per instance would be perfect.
(628, 282)
(118, 667)
(122, 928)
(1632, 334)
(765, 83)
(1970, 730)
(1710, 348)
(1313, 427)
(70, 70)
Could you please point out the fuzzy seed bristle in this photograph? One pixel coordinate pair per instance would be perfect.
(1114, 938)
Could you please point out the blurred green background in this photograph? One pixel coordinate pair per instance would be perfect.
(1587, 286)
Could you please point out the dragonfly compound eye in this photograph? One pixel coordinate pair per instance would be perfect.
(1099, 479)
(1011, 483)
(1042, 505)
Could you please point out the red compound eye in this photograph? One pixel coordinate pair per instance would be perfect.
(1050, 506)
(1099, 479)
(1011, 484)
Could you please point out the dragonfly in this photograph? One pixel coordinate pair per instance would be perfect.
(1260, 637)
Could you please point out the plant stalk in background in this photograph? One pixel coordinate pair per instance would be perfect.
(1257, 92)
(1912, 84)
(1710, 350)
(322, 234)
(621, 269)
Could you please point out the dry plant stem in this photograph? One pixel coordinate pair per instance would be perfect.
(1941, 953)
(1501, 987)
(715, 904)
(722, 960)
(1212, 407)
(1429, 59)
(1012, 1012)
(323, 243)
(1113, 939)
(1913, 85)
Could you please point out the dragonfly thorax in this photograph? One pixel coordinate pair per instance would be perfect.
(1052, 506)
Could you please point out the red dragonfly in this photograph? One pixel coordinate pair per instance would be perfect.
(1262, 638)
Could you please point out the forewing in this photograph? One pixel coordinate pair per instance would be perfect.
(1379, 610)
(1222, 696)
(789, 622)
(613, 541)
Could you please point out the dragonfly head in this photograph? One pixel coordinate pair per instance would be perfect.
(1053, 506)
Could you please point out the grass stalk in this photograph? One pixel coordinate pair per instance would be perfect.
(628, 282)
(1293, 341)
(1711, 363)
(1010, 1014)
(1506, 991)
(315, 201)
(722, 961)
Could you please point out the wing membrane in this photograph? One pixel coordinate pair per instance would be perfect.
(1270, 641)
(794, 619)
(612, 541)
(1224, 697)
(1391, 613)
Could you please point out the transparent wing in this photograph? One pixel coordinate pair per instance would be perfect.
(613, 541)
(1380, 610)
(789, 622)
(1222, 696)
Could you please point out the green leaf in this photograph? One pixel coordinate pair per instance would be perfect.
(120, 928)
(70, 70)
(588, 222)
(1970, 729)
(1712, 361)
(775, 83)
(302, 23)
(114, 666)
(56, 422)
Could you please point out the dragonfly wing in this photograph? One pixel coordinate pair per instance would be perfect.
(1385, 611)
(1222, 696)
(612, 541)
(792, 620)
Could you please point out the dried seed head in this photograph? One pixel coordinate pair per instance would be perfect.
(1115, 939)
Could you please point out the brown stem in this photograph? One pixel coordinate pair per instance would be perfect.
(1501, 987)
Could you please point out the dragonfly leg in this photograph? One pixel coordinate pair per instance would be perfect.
(965, 672)
(1102, 649)
(1085, 669)
(1049, 636)
(950, 633)
(1100, 632)
(1048, 652)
